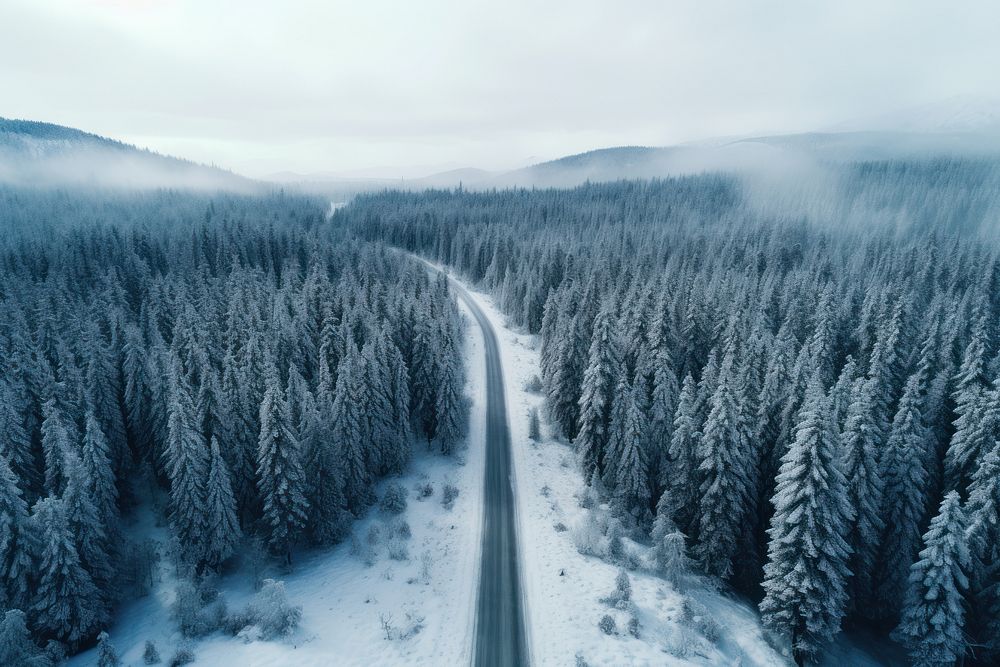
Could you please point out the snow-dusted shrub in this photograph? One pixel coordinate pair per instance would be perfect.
(401, 528)
(107, 654)
(182, 656)
(534, 426)
(198, 612)
(560, 527)
(616, 548)
(589, 498)
(394, 499)
(449, 495)
(607, 625)
(425, 490)
(533, 385)
(150, 655)
(633, 626)
(398, 550)
(580, 662)
(623, 586)
(374, 536)
(588, 538)
(695, 615)
(271, 611)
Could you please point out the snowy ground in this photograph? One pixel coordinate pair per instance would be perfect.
(342, 597)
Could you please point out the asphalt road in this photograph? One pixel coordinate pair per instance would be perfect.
(500, 636)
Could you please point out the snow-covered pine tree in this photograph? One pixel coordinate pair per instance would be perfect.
(971, 396)
(631, 486)
(187, 467)
(680, 475)
(350, 429)
(449, 404)
(222, 530)
(864, 493)
(280, 478)
(89, 533)
(15, 441)
(16, 647)
(983, 537)
(906, 482)
(805, 579)
(603, 371)
(64, 598)
(16, 568)
(669, 545)
(55, 442)
(725, 477)
(933, 617)
(97, 463)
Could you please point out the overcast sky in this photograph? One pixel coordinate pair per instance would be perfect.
(321, 85)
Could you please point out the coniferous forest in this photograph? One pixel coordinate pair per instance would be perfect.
(240, 361)
(804, 384)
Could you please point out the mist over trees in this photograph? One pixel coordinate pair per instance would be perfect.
(258, 368)
(806, 388)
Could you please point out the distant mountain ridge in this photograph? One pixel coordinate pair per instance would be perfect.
(39, 154)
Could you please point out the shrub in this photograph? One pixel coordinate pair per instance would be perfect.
(695, 615)
(198, 612)
(607, 625)
(450, 493)
(425, 490)
(402, 529)
(534, 426)
(182, 656)
(623, 587)
(588, 538)
(271, 611)
(398, 549)
(107, 655)
(394, 499)
(150, 656)
(560, 527)
(533, 385)
(633, 626)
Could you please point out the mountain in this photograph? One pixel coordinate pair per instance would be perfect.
(42, 155)
(958, 114)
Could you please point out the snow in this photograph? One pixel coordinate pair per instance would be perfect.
(342, 597)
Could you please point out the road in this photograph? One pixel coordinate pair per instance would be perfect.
(500, 639)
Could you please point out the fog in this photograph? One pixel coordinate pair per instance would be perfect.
(380, 87)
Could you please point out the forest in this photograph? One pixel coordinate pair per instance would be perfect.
(237, 366)
(805, 388)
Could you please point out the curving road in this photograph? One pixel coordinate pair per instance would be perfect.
(500, 639)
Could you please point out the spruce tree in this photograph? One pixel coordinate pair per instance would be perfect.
(725, 479)
(97, 463)
(905, 498)
(187, 467)
(669, 545)
(680, 475)
(16, 647)
(350, 429)
(279, 472)
(805, 579)
(55, 442)
(222, 531)
(449, 397)
(603, 371)
(64, 599)
(933, 618)
(864, 493)
(632, 483)
(16, 568)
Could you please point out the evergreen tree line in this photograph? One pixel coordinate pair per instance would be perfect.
(816, 408)
(263, 370)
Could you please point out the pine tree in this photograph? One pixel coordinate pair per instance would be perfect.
(64, 598)
(89, 532)
(97, 463)
(107, 654)
(725, 478)
(983, 539)
(632, 483)
(350, 429)
(15, 441)
(16, 567)
(864, 492)
(933, 619)
(906, 486)
(16, 647)
(55, 442)
(681, 479)
(449, 397)
(971, 398)
(805, 578)
(222, 532)
(669, 547)
(603, 370)
(279, 472)
(187, 467)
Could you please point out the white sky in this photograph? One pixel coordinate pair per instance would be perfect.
(311, 86)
